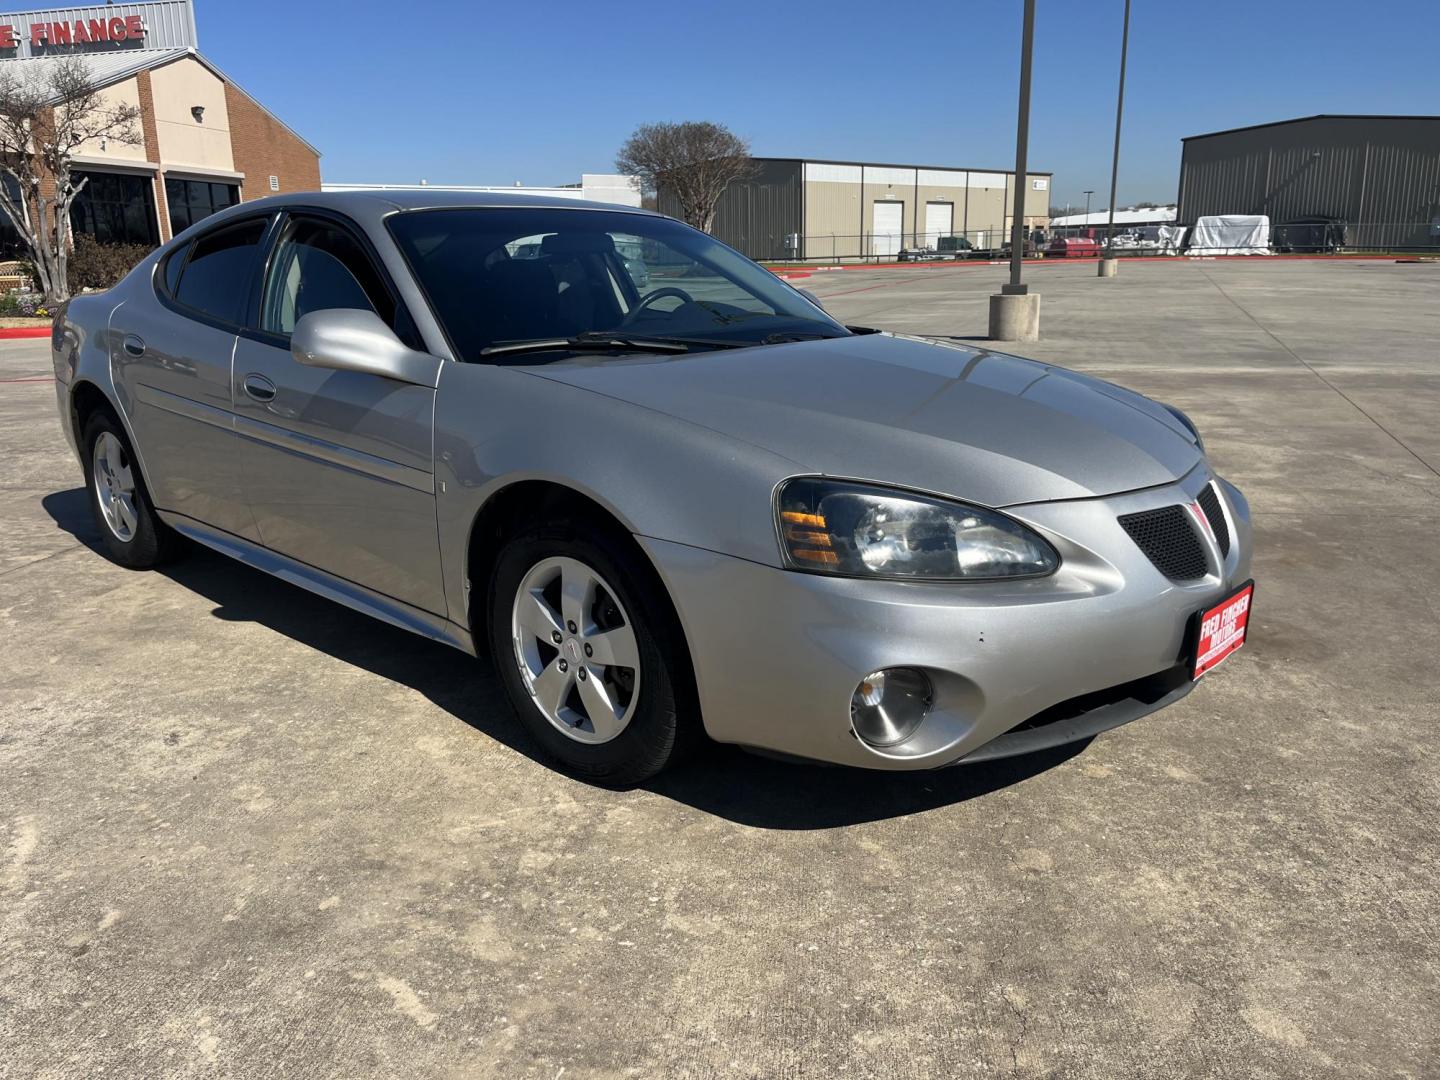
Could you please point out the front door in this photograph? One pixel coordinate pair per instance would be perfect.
(338, 465)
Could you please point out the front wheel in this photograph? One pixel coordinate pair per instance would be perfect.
(588, 654)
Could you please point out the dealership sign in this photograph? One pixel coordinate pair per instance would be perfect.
(160, 24)
(80, 32)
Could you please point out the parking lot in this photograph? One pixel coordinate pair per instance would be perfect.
(245, 831)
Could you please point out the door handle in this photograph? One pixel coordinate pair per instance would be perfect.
(134, 345)
(258, 387)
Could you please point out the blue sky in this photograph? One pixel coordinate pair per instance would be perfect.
(491, 93)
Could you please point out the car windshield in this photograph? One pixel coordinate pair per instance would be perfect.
(504, 276)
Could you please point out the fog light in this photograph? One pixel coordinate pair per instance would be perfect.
(889, 705)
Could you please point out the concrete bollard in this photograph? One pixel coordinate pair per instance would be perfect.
(1109, 267)
(1014, 316)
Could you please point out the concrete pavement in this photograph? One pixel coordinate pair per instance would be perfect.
(244, 831)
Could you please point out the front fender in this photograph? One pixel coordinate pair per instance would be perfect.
(660, 477)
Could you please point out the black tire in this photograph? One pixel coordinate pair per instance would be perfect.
(152, 543)
(665, 725)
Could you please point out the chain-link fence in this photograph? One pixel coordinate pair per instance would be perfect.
(883, 246)
(1317, 236)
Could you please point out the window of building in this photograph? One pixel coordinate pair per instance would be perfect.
(317, 267)
(115, 208)
(216, 279)
(195, 200)
(11, 246)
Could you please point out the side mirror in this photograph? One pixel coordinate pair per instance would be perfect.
(351, 339)
(808, 295)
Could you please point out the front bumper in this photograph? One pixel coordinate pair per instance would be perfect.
(777, 654)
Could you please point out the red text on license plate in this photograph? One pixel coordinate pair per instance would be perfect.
(1222, 630)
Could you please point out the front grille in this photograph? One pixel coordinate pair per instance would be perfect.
(1168, 538)
(1209, 501)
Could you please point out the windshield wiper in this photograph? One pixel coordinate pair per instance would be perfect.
(780, 337)
(609, 341)
(586, 343)
(688, 342)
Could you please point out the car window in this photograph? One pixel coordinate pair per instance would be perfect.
(497, 276)
(319, 266)
(217, 277)
(631, 250)
(174, 263)
(527, 248)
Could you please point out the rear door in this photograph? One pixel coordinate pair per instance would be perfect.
(339, 468)
(172, 353)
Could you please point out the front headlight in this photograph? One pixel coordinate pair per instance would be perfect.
(862, 530)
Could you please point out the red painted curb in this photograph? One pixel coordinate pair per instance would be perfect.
(1061, 260)
(7, 332)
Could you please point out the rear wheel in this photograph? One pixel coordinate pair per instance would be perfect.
(131, 533)
(588, 655)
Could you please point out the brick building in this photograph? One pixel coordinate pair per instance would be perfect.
(207, 143)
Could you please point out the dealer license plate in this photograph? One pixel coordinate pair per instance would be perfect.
(1222, 630)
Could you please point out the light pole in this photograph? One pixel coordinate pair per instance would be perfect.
(1087, 195)
(1108, 265)
(1014, 310)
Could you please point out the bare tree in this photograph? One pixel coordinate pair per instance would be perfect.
(692, 162)
(46, 117)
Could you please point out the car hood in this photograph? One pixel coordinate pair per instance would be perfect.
(985, 427)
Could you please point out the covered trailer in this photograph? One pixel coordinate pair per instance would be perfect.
(1230, 234)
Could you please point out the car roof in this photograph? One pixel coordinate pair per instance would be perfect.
(427, 198)
(370, 208)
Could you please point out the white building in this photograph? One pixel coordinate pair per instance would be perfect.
(1125, 221)
(597, 187)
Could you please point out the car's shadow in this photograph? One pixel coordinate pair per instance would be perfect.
(721, 780)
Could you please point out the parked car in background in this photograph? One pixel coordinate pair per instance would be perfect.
(917, 253)
(954, 247)
(706, 507)
(943, 249)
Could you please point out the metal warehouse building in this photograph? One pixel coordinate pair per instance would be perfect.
(798, 209)
(1380, 175)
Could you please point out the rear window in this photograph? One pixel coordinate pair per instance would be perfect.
(174, 263)
(217, 277)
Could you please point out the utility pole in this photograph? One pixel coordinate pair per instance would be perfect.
(1108, 265)
(1014, 310)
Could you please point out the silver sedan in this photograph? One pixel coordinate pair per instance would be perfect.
(691, 506)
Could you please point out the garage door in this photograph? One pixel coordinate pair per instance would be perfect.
(939, 221)
(889, 223)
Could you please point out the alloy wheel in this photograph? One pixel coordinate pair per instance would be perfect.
(577, 650)
(114, 481)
